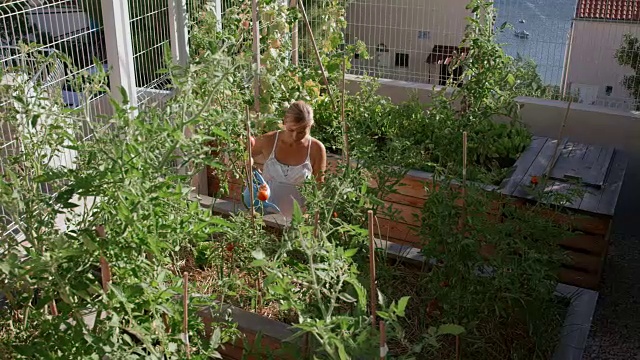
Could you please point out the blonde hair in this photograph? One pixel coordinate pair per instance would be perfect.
(300, 113)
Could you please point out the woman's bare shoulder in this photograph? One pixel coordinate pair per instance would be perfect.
(317, 146)
(269, 135)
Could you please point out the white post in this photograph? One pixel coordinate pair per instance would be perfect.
(178, 32)
(218, 11)
(117, 32)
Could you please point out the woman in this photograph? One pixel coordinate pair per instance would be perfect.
(293, 156)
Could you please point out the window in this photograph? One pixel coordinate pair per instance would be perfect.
(402, 60)
(608, 90)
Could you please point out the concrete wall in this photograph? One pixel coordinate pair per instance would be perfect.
(397, 24)
(592, 61)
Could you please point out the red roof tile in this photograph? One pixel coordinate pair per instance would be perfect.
(608, 9)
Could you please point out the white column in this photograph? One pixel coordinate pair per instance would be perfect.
(117, 31)
(217, 4)
(178, 32)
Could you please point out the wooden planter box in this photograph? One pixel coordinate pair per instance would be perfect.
(589, 217)
(597, 173)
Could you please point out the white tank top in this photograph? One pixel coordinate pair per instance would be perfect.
(284, 180)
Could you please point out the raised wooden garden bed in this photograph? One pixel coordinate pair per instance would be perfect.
(572, 336)
(597, 174)
(600, 170)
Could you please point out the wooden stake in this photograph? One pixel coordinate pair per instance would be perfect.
(256, 54)
(249, 170)
(105, 270)
(165, 321)
(372, 270)
(294, 36)
(457, 347)
(315, 49)
(345, 145)
(464, 158)
(259, 288)
(54, 308)
(463, 216)
(185, 309)
(383, 341)
(552, 163)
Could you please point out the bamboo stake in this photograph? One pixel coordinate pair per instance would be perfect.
(54, 308)
(256, 53)
(464, 159)
(294, 36)
(248, 166)
(383, 341)
(185, 309)
(105, 270)
(315, 49)
(464, 183)
(552, 163)
(372, 271)
(259, 289)
(345, 145)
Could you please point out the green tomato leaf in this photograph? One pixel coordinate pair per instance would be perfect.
(450, 329)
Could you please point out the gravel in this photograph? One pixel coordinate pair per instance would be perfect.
(615, 330)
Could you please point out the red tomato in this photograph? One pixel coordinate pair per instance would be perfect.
(534, 180)
(263, 192)
(230, 247)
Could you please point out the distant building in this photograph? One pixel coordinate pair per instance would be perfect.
(411, 40)
(596, 34)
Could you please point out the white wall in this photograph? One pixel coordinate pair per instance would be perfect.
(592, 60)
(396, 23)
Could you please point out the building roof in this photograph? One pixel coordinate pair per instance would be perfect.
(621, 10)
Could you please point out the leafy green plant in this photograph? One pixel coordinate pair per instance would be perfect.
(125, 180)
(493, 277)
(321, 284)
(626, 55)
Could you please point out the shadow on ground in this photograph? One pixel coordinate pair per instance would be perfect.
(615, 330)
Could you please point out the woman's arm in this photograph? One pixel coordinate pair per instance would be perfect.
(320, 161)
(257, 147)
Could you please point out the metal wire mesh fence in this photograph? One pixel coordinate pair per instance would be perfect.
(573, 43)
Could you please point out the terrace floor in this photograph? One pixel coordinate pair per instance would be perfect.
(615, 330)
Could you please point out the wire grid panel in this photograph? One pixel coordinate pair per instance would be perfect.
(150, 39)
(572, 42)
(58, 30)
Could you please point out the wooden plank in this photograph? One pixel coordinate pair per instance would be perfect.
(590, 157)
(578, 278)
(595, 225)
(538, 167)
(585, 262)
(401, 213)
(590, 199)
(563, 188)
(569, 161)
(600, 169)
(397, 232)
(522, 165)
(592, 244)
(613, 185)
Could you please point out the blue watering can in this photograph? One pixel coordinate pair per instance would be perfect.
(260, 206)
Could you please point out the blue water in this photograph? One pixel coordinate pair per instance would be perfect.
(548, 23)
